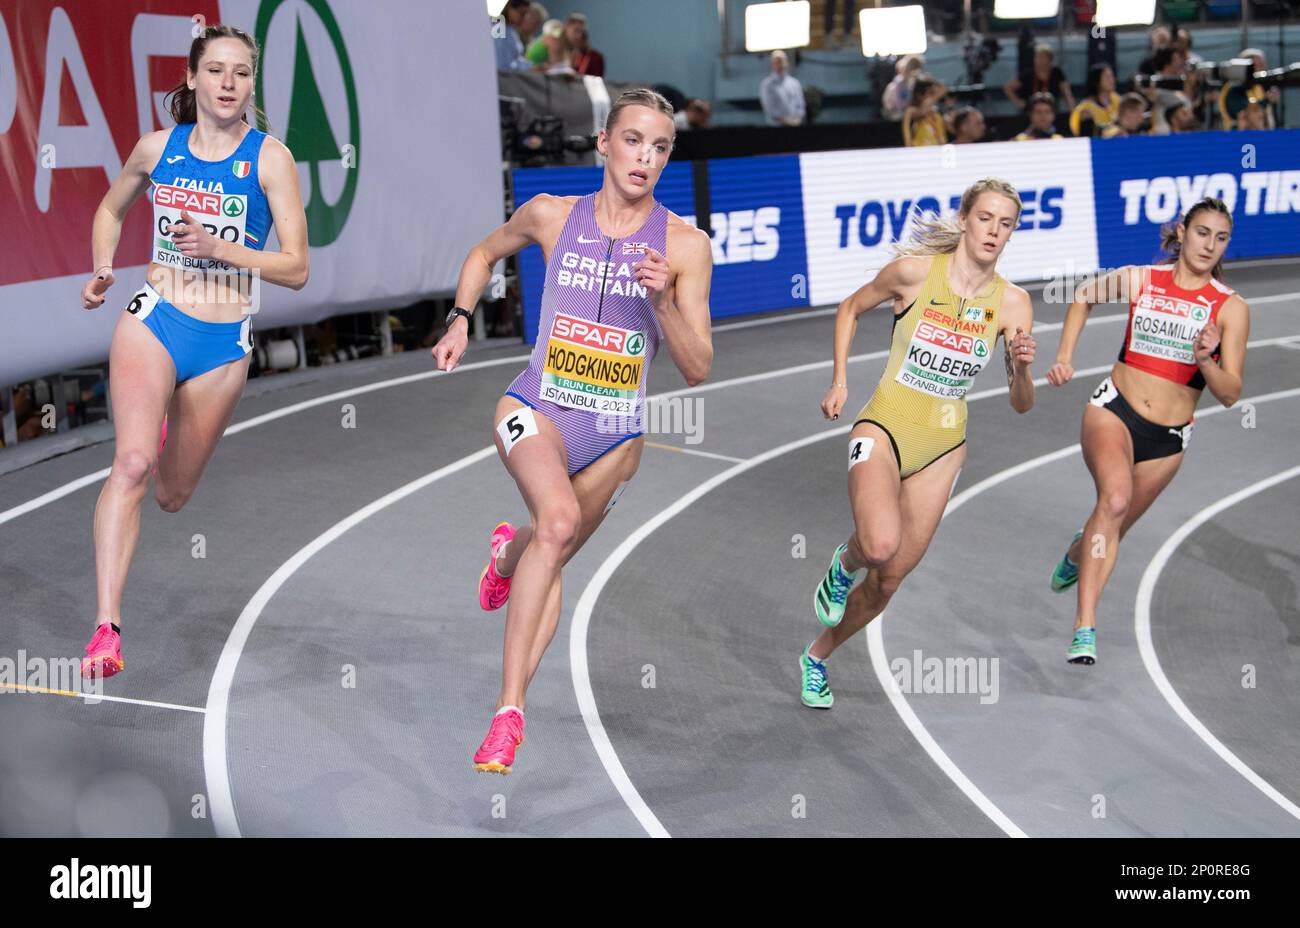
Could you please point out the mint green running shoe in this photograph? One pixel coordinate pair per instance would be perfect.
(829, 597)
(816, 689)
(1066, 574)
(1083, 649)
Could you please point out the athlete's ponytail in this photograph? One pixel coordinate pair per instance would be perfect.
(180, 100)
(1169, 243)
(932, 234)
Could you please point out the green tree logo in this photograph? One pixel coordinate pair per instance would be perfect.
(635, 344)
(981, 349)
(234, 206)
(308, 134)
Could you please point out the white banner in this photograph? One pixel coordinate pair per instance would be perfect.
(857, 204)
(390, 109)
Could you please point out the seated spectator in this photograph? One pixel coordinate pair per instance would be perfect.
(894, 100)
(584, 58)
(781, 94)
(530, 26)
(697, 115)
(1159, 39)
(1043, 77)
(505, 37)
(549, 40)
(1234, 98)
(922, 122)
(1041, 110)
(1183, 42)
(1100, 104)
(1253, 116)
(1169, 63)
(1128, 120)
(1181, 117)
(967, 125)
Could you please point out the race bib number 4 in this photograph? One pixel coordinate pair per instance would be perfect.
(222, 214)
(1165, 327)
(592, 366)
(941, 362)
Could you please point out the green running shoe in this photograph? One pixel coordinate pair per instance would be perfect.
(1066, 574)
(816, 691)
(828, 600)
(1083, 649)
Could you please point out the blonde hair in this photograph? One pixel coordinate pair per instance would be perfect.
(639, 96)
(932, 234)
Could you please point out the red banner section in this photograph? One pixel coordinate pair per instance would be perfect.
(89, 80)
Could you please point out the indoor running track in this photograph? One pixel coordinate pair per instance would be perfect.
(325, 668)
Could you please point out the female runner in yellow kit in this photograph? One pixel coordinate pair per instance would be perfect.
(908, 442)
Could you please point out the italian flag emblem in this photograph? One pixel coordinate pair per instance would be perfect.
(241, 168)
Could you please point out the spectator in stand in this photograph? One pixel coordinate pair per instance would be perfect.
(1159, 39)
(697, 115)
(1100, 104)
(1253, 116)
(1043, 77)
(1181, 117)
(1183, 42)
(781, 93)
(585, 59)
(1234, 98)
(1128, 120)
(506, 39)
(894, 100)
(530, 27)
(922, 122)
(1041, 110)
(538, 51)
(1169, 63)
(967, 125)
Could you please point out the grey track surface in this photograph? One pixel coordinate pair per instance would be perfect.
(713, 600)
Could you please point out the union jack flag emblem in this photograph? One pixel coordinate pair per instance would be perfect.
(634, 248)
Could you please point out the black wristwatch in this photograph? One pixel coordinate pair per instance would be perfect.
(457, 311)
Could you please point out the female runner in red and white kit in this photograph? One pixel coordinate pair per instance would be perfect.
(1187, 330)
(611, 298)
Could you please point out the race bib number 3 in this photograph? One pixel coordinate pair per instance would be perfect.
(222, 214)
(942, 362)
(1165, 327)
(592, 366)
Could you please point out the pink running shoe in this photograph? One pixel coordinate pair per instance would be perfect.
(493, 589)
(103, 654)
(497, 752)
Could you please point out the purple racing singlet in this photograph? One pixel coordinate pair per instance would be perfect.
(596, 336)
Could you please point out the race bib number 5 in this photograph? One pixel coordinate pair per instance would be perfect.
(515, 427)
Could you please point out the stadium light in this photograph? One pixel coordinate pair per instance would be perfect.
(894, 30)
(494, 7)
(1026, 9)
(769, 26)
(1125, 13)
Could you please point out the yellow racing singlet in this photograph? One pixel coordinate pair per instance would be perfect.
(939, 344)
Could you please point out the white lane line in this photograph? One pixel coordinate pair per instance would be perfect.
(1142, 622)
(73, 486)
(582, 620)
(92, 698)
(89, 479)
(215, 766)
(586, 604)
